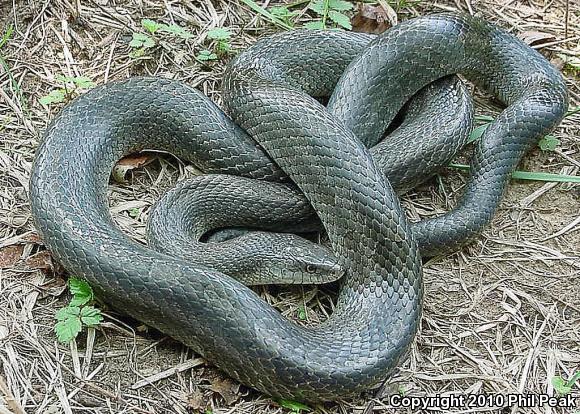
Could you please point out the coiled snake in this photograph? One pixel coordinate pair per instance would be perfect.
(323, 151)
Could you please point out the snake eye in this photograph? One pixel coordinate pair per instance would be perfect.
(310, 268)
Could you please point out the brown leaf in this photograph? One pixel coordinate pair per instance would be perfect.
(374, 19)
(531, 37)
(9, 255)
(33, 238)
(558, 62)
(196, 401)
(53, 287)
(41, 260)
(226, 388)
(130, 163)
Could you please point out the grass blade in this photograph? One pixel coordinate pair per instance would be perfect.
(531, 175)
(260, 10)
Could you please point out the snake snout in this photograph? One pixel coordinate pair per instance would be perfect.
(316, 263)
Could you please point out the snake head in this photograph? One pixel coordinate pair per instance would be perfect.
(290, 259)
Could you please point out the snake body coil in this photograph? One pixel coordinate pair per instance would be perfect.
(323, 152)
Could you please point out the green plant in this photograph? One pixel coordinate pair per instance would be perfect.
(284, 14)
(267, 14)
(141, 42)
(293, 406)
(70, 86)
(330, 10)
(547, 143)
(570, 62)
(15, 86)
(222, 37)
(302, 313)
(78, 313)
(134, 212)
(531, 175)
(564, 387)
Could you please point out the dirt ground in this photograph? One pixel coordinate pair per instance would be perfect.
(500, 316)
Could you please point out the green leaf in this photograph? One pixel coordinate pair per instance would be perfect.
(65, 79)
(67, 313)
(294, 406)
(137, 53)
(150, 25)
(282, 12)
(219, 33)
(177, 30)
(68, 329)
(91, 316)
(317, 7)
(561, 386)
(572, 62)
(548, 143)
(69, 323)
(83, 82)
(477, 133)
(486, 118)
(260, 10)
(222, 47)
(205, 55)
(55, 96)
(6, 36)
(532, 176)
(340, 19)
(302, 313)
(317, 24)
(141, 40)
(340, 5)
(81, 290)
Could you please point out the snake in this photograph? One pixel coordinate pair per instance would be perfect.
(283, 132)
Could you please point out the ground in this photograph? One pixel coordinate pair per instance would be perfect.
(501, 316)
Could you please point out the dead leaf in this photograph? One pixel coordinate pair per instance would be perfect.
(374, 19)
(226, 388)
(130, 163)
(532, 37)
(41, 260)
(558, 62)
(196, 401)
(9, 255)
(53, 287)
(33, 238)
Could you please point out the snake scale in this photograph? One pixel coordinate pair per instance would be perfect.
(268, 93)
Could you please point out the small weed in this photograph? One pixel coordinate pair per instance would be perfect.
(267, 14)
(134, 212)
(6, 36)
(548, 143)
(284, 14)
(564, 387)
(222, 46)
(330, 11)
(78, 313)
(571, 62)
(70, 87)
(142, 42)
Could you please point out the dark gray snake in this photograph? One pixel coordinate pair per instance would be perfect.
(322, 150)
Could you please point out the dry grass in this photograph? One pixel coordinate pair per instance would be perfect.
(501, 316)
